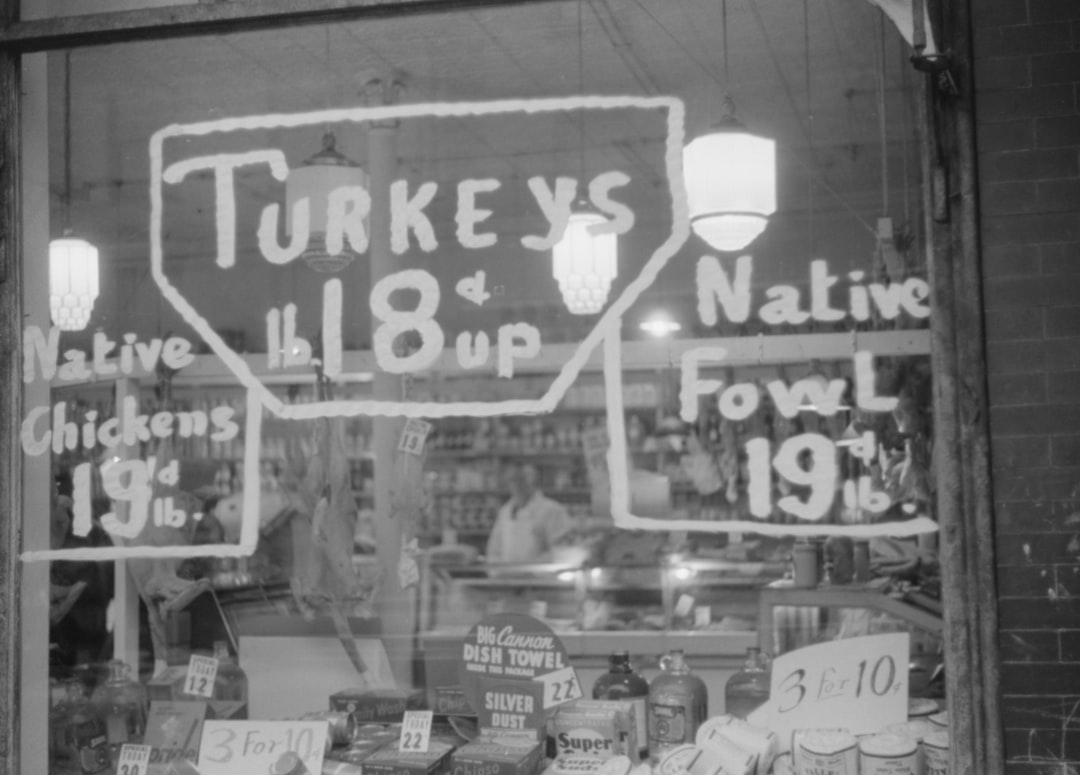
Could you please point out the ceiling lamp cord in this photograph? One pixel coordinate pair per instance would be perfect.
(891, 265)
(581, 88)
(727, 106)
(811, 234)
(67, 142)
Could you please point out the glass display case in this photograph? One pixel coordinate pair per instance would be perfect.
(707, 607)
(791, 618)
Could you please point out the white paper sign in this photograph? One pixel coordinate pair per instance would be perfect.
(560, 686)
(415, 731)
(414, 435)
(200, 676)
(134, 759)
(235, 747)
(859, 684)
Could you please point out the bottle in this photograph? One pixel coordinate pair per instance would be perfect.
(678, 703)
(230, 684)
(59, 756)
(804, 559)
(122, 704)
(622, 683)
(748, 689)
(84, 739)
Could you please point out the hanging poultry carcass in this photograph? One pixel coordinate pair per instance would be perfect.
(157, 579)
(317, 489)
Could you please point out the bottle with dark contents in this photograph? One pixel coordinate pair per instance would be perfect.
(622, 683)
(231, 683)
(678, 703)
(748, 689)
(60, 758)
(84, 739)
(122, 704)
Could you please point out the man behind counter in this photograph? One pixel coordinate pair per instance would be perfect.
(529, 524)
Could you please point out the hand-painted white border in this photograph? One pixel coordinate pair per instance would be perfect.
(249, 515)
(620, 483)
(608, 324)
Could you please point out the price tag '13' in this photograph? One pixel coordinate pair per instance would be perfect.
(200, 676)
(560, 686)
(415, 731)
(134, 759)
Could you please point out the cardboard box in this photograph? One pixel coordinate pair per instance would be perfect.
(168, 684)
(488, 758)
(388, 760)
(357, 752)
(450, 701)
(378, 706)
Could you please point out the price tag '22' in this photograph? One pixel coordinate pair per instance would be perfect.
(559, 687)
(415, 731)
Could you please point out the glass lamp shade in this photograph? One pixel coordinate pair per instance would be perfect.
(730, 186)
(585, 264)
(314, 179)
(73, 282)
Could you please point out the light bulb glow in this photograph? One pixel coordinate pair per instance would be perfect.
(660, 325)
(584, 264)
(730, 186)
(73, 282)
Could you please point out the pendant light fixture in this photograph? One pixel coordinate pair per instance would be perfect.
(317, 176)
(73, 262)
(584, 263)
(730, 176)
(313, 180)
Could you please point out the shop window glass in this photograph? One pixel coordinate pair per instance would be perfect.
(355, 367)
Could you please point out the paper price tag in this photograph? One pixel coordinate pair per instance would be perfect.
(684, 605)
(200, 676)
(134, 759)
(560, 686)
(415, 731)
(413, 436)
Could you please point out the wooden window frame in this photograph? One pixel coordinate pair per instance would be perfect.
(962, 455)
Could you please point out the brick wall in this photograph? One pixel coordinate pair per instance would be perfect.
(1027, 70)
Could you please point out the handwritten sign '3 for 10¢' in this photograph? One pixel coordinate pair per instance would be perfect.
(860, 684)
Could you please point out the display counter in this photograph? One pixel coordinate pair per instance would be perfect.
(706, 607)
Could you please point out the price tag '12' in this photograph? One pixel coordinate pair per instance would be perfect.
(560, 686)
(134, 759)
(415, 731)
(200, 676)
